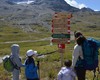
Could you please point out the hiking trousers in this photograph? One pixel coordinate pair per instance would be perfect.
(16, 74)
(80, 72)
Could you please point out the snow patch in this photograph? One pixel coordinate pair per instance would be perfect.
(25, 2)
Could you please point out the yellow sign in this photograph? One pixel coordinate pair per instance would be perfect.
(60, 41)
(59, 21)
(63, 15)
(60, 30)
(59, 25)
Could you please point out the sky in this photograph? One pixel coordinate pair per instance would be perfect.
(93, 4)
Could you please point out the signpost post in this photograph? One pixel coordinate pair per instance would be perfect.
(61, 31)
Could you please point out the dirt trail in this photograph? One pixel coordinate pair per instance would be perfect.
(49, 38)
(0, 59)
(25, 41)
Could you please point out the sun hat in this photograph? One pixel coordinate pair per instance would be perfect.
(31, 52)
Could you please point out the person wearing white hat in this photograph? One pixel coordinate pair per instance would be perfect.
(31, 68)
(31, 53)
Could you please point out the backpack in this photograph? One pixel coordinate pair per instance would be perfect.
(8, 64)
(90, 49)
(90, 54)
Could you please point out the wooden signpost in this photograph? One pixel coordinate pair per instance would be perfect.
(61, 27)
(61, 31)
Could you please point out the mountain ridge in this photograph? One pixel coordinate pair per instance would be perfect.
(39, 12)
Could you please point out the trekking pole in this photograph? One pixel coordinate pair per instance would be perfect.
(48, 53)
(38, 65)
(98, 72)
(94, 71)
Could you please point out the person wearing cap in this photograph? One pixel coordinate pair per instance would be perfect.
(30, 67)
(78, 55)
(66, 73)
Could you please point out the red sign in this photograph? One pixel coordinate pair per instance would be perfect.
(62, 46)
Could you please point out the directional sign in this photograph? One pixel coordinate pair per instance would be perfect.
(59, 25)
(61, 35)
(59, 30)
(60, 41)
(63, 15)
(60, 14)
(59, 21)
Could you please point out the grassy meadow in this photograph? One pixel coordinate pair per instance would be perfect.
(50, 64)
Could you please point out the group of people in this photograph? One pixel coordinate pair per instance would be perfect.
(71, 70)
(29, 64)
(76, 68)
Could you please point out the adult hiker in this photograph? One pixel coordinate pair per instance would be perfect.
(16, 60)
(78, 53)
(30, 67)
(66, 73)
(85, 55)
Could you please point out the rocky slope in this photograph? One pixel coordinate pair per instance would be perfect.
(38, 12)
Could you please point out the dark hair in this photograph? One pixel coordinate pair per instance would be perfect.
(80, 40)
(77, 34)
(68, 63)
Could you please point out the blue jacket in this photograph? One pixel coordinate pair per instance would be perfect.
(30, 69)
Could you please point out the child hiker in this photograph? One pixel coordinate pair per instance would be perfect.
(16, 60)
(66, 73)
(30, 67)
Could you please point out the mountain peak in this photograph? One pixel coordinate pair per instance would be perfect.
(87, 9)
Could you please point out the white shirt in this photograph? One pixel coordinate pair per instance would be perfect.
(76, 54)
(66, 74)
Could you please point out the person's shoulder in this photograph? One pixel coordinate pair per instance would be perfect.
(77, 46)
(63, 68)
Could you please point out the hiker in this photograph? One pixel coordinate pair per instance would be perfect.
(78, 53)
(30, 67)
(16, 60)
(85, 55)
(66, 73)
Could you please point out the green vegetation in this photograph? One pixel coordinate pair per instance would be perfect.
(15, 34)
(49, 65)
